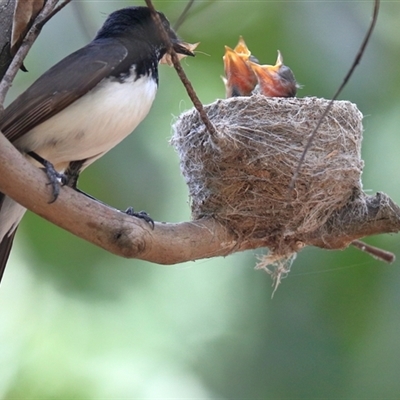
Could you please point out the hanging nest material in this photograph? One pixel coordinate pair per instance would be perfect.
(241, 175)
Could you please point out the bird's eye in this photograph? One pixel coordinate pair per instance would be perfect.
(166, 25)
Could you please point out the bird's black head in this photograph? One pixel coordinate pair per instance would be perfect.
(137, 23)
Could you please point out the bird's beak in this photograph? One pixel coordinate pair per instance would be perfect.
(268, 71)
(182, 49)
(264, 72)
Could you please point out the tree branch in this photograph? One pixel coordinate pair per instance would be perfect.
(373, 251)
(6, 18)
(168, 243)
(371, 216)
(48, 11)
(104, 226)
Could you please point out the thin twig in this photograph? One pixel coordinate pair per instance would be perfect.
(182, 17)
(54, 12)
(181, 73)
(45, 14)
(376, 252)
(329, 106)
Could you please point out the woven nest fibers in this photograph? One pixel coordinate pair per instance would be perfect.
(241, 175)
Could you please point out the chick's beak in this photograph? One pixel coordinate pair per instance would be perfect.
(232, 61)
(240, 79)
(242, 50)
(275, 80)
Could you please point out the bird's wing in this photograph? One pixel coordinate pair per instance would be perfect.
(61, 85)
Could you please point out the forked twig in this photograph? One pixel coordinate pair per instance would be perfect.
(52, 13)
(48, 11)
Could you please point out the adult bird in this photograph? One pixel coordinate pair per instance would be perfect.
(86, 104)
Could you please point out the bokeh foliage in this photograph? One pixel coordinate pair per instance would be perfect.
(77, 322)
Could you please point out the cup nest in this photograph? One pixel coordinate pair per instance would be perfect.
(241, 175)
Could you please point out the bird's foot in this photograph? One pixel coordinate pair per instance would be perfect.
(55, 178)
(72, 173)
(141, 214)
(129, 211)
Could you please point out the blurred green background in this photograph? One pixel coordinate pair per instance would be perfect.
(79, 323)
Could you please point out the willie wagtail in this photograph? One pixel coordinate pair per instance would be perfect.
(87, 103)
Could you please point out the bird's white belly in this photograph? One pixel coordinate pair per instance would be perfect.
(93, 124)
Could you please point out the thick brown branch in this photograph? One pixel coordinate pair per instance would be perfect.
(130, 237)
(371, 216)
(106, 227)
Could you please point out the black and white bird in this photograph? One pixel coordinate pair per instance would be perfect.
(87, 103)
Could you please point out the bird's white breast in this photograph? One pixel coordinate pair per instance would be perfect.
(93, 124)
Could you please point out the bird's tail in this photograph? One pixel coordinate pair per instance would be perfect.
(5, 248)
(10, 216)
